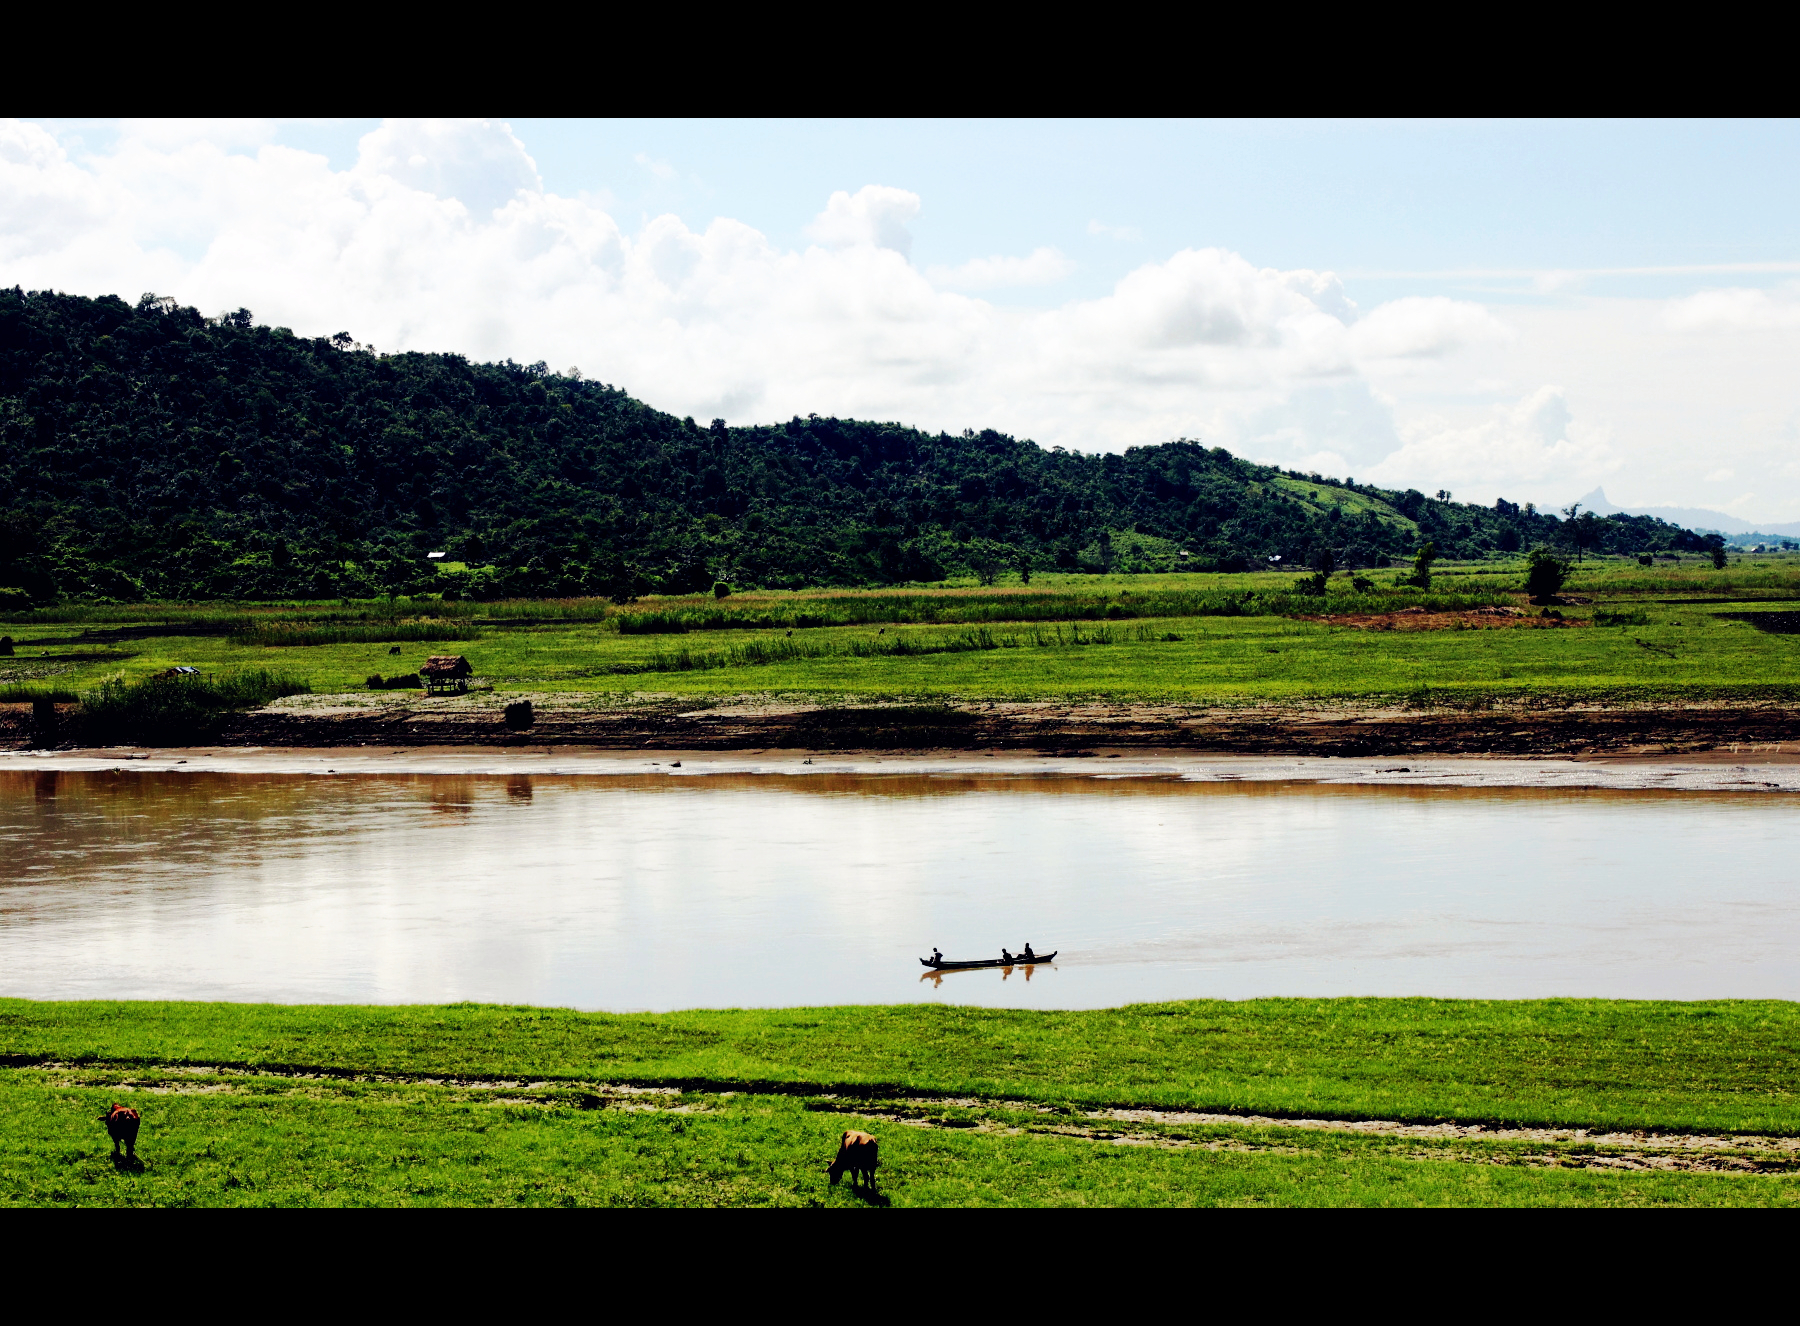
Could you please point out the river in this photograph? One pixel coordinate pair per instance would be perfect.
(651, 892)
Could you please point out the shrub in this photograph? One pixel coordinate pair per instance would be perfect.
(6, 646)
(518, 715)
(721, 590)
(1718, 556)
(1545, 573)
(1422, 560)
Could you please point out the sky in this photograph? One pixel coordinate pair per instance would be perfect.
(1518, 309)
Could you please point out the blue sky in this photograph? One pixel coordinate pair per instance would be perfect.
(1527, 308)
(1393, 208)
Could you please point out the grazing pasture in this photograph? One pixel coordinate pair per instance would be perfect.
(1560, 1102)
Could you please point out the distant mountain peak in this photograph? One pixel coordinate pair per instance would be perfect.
(1689, 517)
(1597, 503)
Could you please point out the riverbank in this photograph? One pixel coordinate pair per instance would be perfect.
(1697, 729)
(1310, 1102)
(1750, 768)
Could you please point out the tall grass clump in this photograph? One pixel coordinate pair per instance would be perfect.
(175, 711)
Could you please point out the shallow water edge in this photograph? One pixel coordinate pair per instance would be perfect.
(1751, 769)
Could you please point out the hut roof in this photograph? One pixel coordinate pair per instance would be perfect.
(446, 665)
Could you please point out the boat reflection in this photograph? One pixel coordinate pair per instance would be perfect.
(937, 977)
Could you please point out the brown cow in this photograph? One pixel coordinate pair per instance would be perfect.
(856, 1153)
(122, 1126)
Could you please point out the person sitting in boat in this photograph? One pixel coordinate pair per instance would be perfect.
(1004, 955)
(1028, 955)
(936, 957)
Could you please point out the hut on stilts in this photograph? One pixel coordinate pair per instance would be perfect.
(446, 674)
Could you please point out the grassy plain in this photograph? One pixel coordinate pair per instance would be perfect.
(1643, 631)
(468, 1104)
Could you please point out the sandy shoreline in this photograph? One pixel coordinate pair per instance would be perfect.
(1765, 770)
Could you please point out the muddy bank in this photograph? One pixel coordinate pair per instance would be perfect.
(1050, 728)
(1060, 729)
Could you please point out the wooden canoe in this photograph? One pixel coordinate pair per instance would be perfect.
(947, 965)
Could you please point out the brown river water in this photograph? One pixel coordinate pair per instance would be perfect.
(651, 892)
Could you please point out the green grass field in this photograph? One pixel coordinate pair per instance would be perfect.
(271, 1105)
(1647, 631)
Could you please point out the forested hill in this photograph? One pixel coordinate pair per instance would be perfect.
(147, 451)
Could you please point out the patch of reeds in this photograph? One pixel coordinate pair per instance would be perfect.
(175, 711)
(988, 609)
(372, 633)
(34, 694)
(523, 611)
(783, 649)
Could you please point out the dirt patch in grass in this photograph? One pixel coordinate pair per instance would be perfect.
(1547, 1148)
(1477, 619)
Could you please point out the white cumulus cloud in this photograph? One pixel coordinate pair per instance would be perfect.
(479, 162)
(1042, 266)
(442, 236)
(1521, 447)
(1736, 310)
(1425, 326)
(874, 215)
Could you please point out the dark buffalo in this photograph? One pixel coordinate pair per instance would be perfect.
(121, 1126)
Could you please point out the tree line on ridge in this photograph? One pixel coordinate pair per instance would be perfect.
(149, 452)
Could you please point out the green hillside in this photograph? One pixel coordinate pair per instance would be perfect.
(147, 452)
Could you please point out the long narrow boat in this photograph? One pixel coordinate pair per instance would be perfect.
(945, 964)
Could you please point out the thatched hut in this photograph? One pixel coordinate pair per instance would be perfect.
(446, 673)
